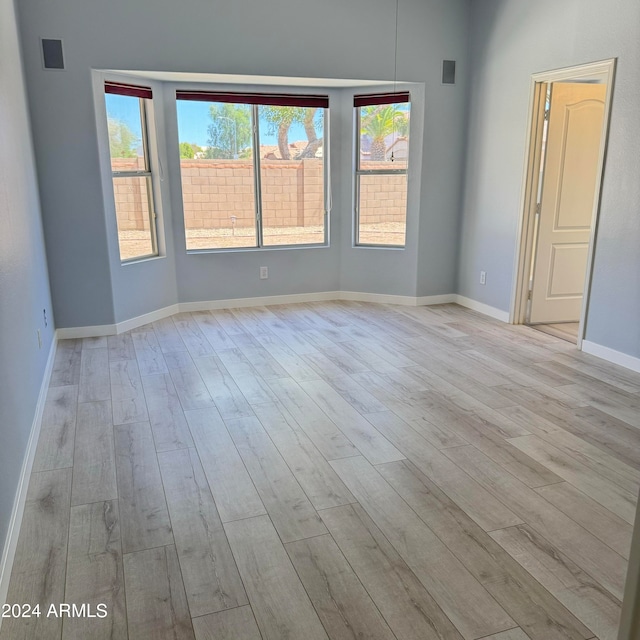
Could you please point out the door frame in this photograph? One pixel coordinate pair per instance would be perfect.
(531, 183)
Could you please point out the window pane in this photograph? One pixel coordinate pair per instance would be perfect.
(383, 209)
(216, 163)
(125, 133)
(292, 175)
(135, 235)
(384, 136)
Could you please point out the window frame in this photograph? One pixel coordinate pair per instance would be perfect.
(256, 100)
(365, 101)
(144, 96)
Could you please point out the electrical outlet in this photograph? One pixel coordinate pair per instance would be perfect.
(39, 340)
(264, 273)
(483, 277)
(46, 322)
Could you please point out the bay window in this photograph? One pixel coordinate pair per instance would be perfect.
(382, 153)
(253, 169)
(132, 179)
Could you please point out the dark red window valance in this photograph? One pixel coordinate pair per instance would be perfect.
(367, 100)
(121, 89)
(270, 99)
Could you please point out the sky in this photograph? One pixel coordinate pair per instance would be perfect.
(193, 121)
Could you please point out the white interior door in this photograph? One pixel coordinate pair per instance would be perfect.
(568, 193)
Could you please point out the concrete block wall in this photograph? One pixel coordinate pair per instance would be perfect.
(214, 191)
(132, 203)
(382, 198)
(219, 194)
(292, 193)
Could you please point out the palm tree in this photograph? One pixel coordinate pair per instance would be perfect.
(379, 122)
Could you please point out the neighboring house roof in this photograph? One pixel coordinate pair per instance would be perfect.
(399, 148)
(273, 151)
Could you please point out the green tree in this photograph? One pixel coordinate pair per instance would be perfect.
(230, 130)
(123, 142)
(379, 122)
(313, 142)
(280, 120)
(186, 151)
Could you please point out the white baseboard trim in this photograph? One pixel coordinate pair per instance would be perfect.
(447, 298)
(237, 303)
(95, 331)
(611, 355)
(321, 296)
(13, 532)
(265, 301)
(480, 307)
(139, 321)
(377, 298)
(114, 329)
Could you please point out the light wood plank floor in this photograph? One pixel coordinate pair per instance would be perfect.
(566, 330)
(330, 470)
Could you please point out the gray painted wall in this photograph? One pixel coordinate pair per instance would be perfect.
(511, 40)
(235, 274)
(378, 270)
(24, 287)
(283, 38)
(141, 287)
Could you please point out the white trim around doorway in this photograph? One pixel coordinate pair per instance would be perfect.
(535, 122)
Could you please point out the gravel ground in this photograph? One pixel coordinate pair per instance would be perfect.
(135, 243)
